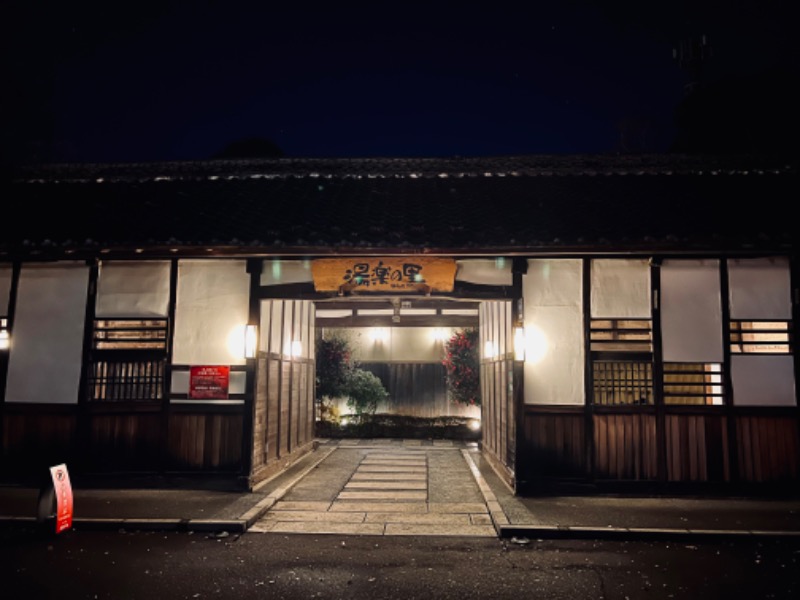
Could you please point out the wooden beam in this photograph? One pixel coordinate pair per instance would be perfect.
(459, 321)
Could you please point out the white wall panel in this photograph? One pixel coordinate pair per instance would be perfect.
(211, 311)
(763, 380)
(691, 314)
(620, 288)
(133, 289)
(760, 288)
(553, 309)
(47, 344)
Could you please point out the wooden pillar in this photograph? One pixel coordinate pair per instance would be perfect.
(166, 386)
(248, 416)
(83, 428)
(12, 305)
(518, 269)
(730, 415)
(658, 372)
(588, 374)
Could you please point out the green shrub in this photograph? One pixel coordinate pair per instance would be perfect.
(364, 392)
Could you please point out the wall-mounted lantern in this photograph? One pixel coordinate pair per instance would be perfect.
(519, 343)
(250, 341)
(5, 339)
(379, 335)
(439, 334)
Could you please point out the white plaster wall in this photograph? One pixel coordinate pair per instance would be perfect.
(691, 315)
(484, 271)
(403, 344)
(760, 288)
(620, 288)
(553, 311)
(133, 289)
(763, 380)
(47, 345)
(276, 272)
(211, 312)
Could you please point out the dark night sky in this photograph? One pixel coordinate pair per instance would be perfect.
(165, 80)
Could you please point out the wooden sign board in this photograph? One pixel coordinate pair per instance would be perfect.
(388, 274)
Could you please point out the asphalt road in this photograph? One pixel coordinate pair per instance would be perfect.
(156, 565)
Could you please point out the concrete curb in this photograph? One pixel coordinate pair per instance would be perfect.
(499, 518)
(238, 525)
(636, 534)
(250, 517)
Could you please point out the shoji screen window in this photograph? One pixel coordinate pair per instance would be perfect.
(691, 332)
(762, 366)
(621, 346)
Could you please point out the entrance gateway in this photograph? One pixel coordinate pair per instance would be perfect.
(659, 346)
(397, 314)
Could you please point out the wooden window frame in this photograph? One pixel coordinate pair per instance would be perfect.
(761, 336)
(128, 360)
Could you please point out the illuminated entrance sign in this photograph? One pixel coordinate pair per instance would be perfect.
(389, 274)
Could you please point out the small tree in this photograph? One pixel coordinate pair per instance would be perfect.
(334, 365)
(462, 366)
(338, 376)
(364, 391)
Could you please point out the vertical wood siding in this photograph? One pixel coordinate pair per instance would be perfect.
(122, 442)
(625, 446)
(498, 414)
(200, 440)
(415, 389)
(697, 448)
(284, 390)
(554, 444)
(768, 448)
(36, 437)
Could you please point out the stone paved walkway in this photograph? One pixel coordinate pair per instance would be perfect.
(404, 488)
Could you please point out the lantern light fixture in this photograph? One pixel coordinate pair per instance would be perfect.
(250, 341)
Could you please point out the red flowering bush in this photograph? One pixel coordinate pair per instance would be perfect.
(462, 366)
(334, 366)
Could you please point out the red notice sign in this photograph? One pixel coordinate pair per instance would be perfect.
(209, 382)
(63, 491)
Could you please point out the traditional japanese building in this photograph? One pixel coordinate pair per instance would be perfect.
(635, 313)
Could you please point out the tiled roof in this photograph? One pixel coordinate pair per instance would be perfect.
(527, 204)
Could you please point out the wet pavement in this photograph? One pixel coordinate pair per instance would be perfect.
(392, 487)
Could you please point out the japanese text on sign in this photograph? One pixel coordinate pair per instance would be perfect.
(63, 492)
(384, 274)
(367, 274)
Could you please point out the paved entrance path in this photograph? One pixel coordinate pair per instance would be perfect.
(388, 487)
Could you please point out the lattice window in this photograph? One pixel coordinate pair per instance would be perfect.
(761, 337)
(126, 380)
(130, 334)
(618, 382)
(621, 335)
(693, 383)
(128, 360)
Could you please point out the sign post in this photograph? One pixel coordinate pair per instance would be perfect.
(63, 493)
